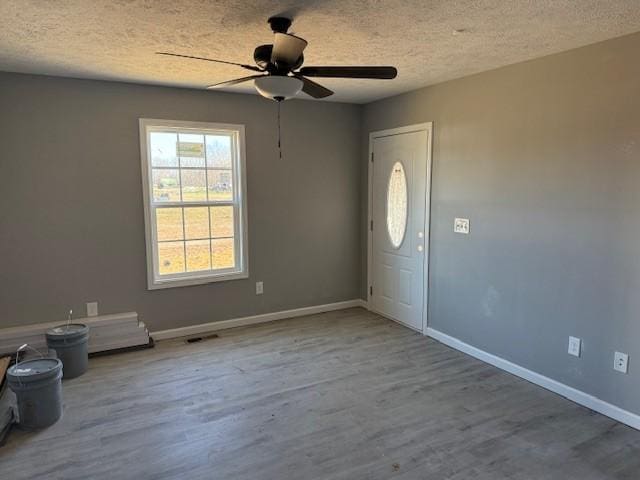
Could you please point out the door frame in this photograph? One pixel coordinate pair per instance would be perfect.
(420, 127)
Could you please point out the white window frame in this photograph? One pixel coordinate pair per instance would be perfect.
(239, 201)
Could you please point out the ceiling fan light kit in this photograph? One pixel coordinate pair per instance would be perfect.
(278, 87)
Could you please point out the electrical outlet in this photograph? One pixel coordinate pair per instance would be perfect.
(574, 346)
(259, 288)
(461, 225)
(92, 309)
(621, 362)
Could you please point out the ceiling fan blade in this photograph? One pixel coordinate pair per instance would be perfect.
(248, 67)
(314, 89)
(287, 49)
(228, 83)
(385, 73)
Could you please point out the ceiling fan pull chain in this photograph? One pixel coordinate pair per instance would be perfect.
(279, 102)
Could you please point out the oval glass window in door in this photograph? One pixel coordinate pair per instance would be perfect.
(397, 205)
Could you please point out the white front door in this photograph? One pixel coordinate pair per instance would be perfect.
(399, 240)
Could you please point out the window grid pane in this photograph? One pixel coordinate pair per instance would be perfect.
(220, 185)
(196, 223)
(222, 221)
(198, 255)
(194, 185)
(169, 224)
(171, 258)
(165, 185)
(219, 151)
(222, 253)
(191, 150)
(162, 147)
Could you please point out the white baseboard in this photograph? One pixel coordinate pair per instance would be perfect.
(262, 318)
(571, 393)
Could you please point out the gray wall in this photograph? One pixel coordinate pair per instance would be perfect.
(544, 158)
(72, 215)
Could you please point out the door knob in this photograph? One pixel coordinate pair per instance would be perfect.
(419, 248)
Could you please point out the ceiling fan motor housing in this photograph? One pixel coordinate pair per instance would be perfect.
(262, 57)
(279, 24)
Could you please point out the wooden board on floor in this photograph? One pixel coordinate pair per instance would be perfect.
(106, 332)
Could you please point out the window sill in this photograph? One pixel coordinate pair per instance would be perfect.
(155, 284)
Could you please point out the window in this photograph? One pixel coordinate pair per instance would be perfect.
(397, 205)
(195, 202)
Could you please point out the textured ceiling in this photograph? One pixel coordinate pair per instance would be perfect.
(116, 39)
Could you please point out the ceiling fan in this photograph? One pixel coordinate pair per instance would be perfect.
(278, 65)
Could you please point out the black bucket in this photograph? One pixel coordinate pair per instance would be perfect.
(38, 388)
(70, 344)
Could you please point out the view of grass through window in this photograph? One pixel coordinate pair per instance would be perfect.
(192, 200)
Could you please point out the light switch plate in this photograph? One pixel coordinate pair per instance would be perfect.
(259, 288)
(92, 309)
(461, 225)
(621, 362)
(574, 346)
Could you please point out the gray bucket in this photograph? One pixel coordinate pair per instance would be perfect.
(70, 343)
(38, 390)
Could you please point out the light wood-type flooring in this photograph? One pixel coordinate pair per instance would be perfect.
(343, 395)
